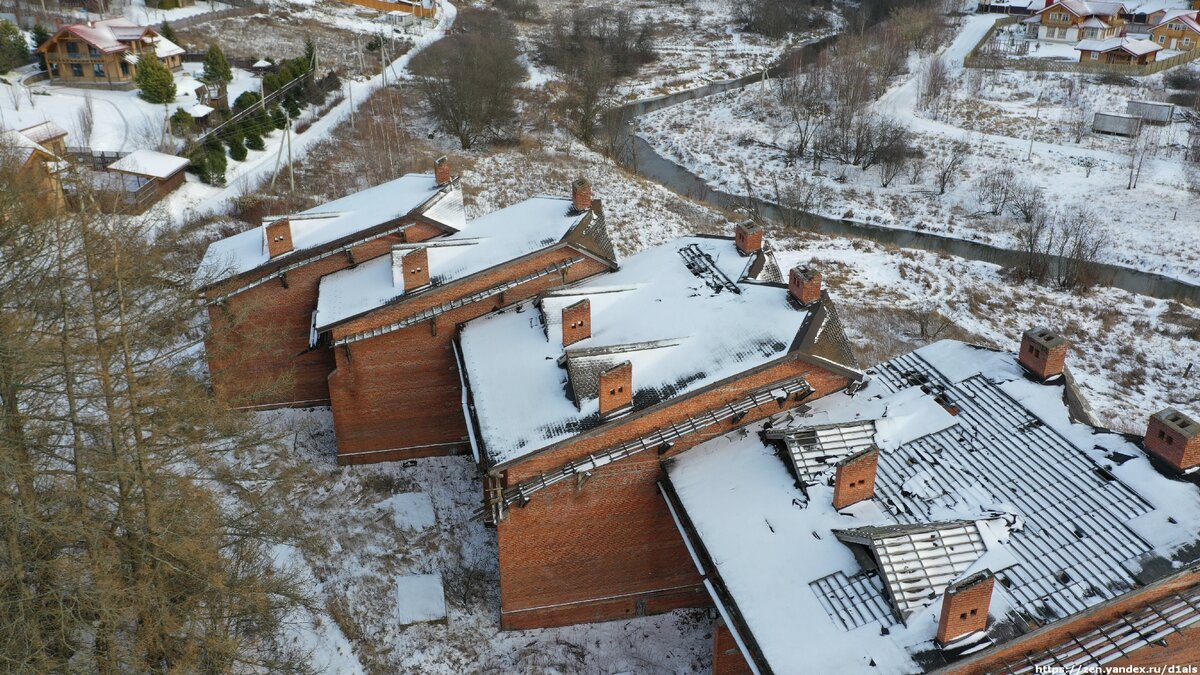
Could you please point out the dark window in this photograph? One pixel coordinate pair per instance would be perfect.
(93, 52)
(98, 69)
(76, 70)
(974, 612)
(124, 69)
(72, 48)
(962, 617)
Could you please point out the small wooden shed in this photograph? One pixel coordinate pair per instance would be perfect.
(145, 177)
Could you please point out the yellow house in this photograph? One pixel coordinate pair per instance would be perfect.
(1178, 29)
(36, 167)
(105, 53)
(1075, 20)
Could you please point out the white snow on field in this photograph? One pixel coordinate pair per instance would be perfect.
(419, 598)
(734, 137)
(410, 511)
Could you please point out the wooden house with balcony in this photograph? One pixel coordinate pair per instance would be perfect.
(105, 53)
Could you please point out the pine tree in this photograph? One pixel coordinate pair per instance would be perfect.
(155, 80)
(168, 32)
(237, 150)
(216, 66)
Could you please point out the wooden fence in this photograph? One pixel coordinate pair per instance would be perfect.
(979, 58)
(381, 6)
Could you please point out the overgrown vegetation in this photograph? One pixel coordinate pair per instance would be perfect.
(14, 51)
(777, 18)
(469, 78)
(134, 539)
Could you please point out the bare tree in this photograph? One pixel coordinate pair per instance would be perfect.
(1027, 201)
(948, 164)
(933, 82)
(994, 188)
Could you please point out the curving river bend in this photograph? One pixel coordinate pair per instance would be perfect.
(637, 155)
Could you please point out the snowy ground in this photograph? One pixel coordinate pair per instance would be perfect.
(726, 139)
(369, 547)
(698, 42)
(122, 121)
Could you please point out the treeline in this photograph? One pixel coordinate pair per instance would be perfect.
(132, 539)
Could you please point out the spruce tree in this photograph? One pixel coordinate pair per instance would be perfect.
(167, 32)
(155, 80)
(216, 66)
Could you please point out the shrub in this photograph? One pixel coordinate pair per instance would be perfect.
(255, 142)
(1182, 78)
(278, 117)
(245, 100)
(237, 150)
(182, 123)
(14, 51)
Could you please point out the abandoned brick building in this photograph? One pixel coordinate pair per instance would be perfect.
(261, 284)
(397, 389)
(577, 395)
(960, 511)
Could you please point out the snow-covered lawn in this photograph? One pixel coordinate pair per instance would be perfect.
(698, 42)
(383, 579)
(727, 139)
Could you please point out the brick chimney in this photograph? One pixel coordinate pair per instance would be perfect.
(279, 237)
(441, 171)
(1175, 437)
(576, 322)
(804, 285)
(616, 389)
(1044, 353)
(410, 268)
(581, 195)
(855, 479)
(748, 237)
(965, 607)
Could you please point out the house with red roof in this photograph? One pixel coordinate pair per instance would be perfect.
(105, 53)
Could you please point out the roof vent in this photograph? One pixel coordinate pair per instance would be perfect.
(1043, 353)
(581, 195)
(441, 171)
(748, 237)
(804, 285)
(279, 237)
(855, 479)
(616, 389)
(576, 322)
(965, 608)
(410, 268)
(1175, 438)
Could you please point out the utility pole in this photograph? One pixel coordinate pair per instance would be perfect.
(1032, 131)
(350, 100)
(291, 166)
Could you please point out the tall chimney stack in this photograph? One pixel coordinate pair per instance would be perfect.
(576, 322)
(581, 195)
(965, 607)
(855, 478)
(1175, 438)
(616, 389)
(1043, 353)
(748, 237)
(804, 285)
(441, 171)
(279, 237)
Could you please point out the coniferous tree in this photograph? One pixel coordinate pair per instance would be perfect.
(155, 80)
(216, 66)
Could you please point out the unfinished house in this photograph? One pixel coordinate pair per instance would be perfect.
(397, 389)
(959, 512)
(577, 395)
(261, 284)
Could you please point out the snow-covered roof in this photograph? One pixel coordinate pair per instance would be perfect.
(1094, 22)
(485, 242)
(164, 47)
(23, 146)
(1134, 47)
(1186, 17)
(45, 131)
(150, 163)
(684, 314)
(106, 36)
(1113, 123)
(262, 63)
(333, 221)
(200, 110)
(1065, 515)
(1082, 8)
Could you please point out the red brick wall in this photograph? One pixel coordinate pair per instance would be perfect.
(1045, 362)
(616, 388)
(965, 610)
(1034, 643)
(577, 322)
(1181, 451)
(398, 395)
(609, 549)
(855, 480)
(727, 658)
(258, 352)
